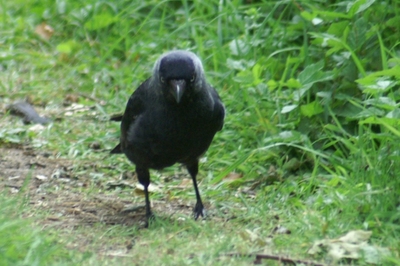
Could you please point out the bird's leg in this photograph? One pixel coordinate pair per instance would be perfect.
(193, 169)
(144, 179)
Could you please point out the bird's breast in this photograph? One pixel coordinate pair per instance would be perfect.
(171, 135)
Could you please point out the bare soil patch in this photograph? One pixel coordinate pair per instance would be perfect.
(51, 186)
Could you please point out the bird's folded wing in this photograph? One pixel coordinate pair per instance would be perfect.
(133, 109)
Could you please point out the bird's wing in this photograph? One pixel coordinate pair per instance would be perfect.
(134, 108)
(219, 108)
(116, 117)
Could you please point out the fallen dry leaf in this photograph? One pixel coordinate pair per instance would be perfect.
(232, 176)
(44, 30)
(356, 237)
(354, 245)
(255, 238)
(139, 189)
(185, 183)
(41, 177)
(76, 108)
(37, 128)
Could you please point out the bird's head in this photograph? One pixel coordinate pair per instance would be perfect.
(179, 74)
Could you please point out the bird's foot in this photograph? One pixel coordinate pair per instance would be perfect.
(199, 210)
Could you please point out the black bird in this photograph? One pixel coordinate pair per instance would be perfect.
(171, 118)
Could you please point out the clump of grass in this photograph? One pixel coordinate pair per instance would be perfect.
(23, 244)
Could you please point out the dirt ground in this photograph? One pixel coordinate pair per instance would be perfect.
(51, 187)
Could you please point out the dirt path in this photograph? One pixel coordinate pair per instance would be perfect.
(52, 188)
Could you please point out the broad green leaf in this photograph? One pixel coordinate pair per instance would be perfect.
(100, 21)
(272, 84)
(240, 64)
(288, 108)
(293, 83)
(393, 22)
(347, 110)
(390, 124)
(374, 85)
(326, 15)
(395, 114)
(337, 28)
(358, 33)
(338, 44)
(67, 47)
(368, 112)
(257, 71)
(383, 102)
(308, 74)
(312, 74)
(245, 77)
(239, 47)
(324, 94)
(358, 6)
(297, 94)
(307, 15)
(392, 72)
(311, 109)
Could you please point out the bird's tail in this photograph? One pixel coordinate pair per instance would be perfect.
(117, 149)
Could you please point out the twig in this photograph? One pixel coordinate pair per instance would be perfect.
(118, 255)
(260, 257)
(95, 99)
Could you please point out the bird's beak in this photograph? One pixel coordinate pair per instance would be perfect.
(178, 87)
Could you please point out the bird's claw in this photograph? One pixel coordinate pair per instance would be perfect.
(199, 211)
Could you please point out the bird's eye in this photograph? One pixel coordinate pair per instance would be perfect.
(193, 78)
(162, 80)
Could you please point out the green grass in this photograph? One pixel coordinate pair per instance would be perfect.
(22, 244)
(311, 91)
